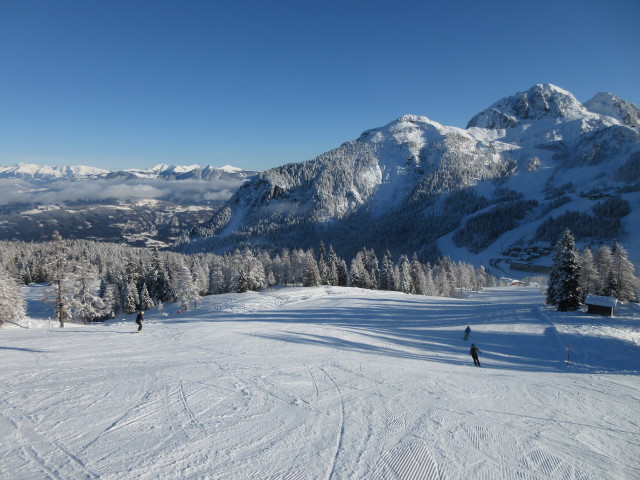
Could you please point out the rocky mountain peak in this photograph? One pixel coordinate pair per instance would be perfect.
(539, 102)
(608, 104)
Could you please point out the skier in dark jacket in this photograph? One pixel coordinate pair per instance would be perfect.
(139, 319)
(467, 331)
(474, 354)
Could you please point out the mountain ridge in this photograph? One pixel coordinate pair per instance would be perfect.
(530, 158)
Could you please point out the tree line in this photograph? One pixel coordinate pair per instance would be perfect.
(92, 281)
(576, 274)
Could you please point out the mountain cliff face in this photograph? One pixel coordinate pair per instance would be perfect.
(520, 172)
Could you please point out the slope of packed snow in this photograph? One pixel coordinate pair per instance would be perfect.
(325, 383)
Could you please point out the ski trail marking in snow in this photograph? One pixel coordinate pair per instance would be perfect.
(44, 452)
(395, 421)
(538, 460)
(408, 462)
(340, 435)
(315, 384)
(31, 454)
(187, 409)
(176, 428)
(290, 476)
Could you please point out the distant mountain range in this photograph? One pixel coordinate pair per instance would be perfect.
(524, 169)
(47, 173)
(140, 207)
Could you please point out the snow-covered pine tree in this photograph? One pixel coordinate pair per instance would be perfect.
(566, 292)
(186, 289)
(111, 300)
(86, 303)
(157, 279)
(588, 272)
(386, 276)
(480, 279)
(430, 285)
(604, 264)
(445, 278)
(216, 276)
(406, 282)
(627, 283)
(146, 302)
(131, 298)
(357, 272)
(610, 286)
(343, 273)
(311, 272)
(372, 267)
(12, 303)
(332, 272)
(418, 278)
(323, 265)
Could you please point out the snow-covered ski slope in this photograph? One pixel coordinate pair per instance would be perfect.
(326, 383)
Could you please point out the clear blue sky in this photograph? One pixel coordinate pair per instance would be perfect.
(257, 84)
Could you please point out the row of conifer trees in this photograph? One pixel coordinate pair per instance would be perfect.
(90, 281)
(576, 274)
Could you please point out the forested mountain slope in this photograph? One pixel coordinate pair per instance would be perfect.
(523, 170)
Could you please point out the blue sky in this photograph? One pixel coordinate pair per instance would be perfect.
(258, 84)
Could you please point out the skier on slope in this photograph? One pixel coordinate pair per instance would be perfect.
(474, 354)
(467, 331)
(139, 319)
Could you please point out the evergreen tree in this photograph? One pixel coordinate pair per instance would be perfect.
(418, 279)
(332, 278)
(480, 281)
(406, 282)
(12, 304)
(565, 290)
(216, 277)
(242, 282)
(131, 298)
(588, 272)
(386, 276)
(357, 273)
(604, 265)
(323, 266)
(430, 285)
(372, 267)
(343, 273)
(111, 301)
(610, 286)
(146, 302)
(623, 270)
(446, 278)
(311, 272)
(186, 289)
(86, 303)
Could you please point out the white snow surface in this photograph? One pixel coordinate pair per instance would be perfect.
(325, 383)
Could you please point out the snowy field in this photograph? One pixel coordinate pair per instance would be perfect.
(325, 383)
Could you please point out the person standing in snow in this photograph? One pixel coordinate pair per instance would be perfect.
(474, 354)
(139, 319)
(467, 331)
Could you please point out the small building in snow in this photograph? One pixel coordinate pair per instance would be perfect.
(600, 305)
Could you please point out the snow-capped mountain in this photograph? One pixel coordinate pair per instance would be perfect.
(160, 171)
(137, 206)
(47, 172)
(524, 169)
